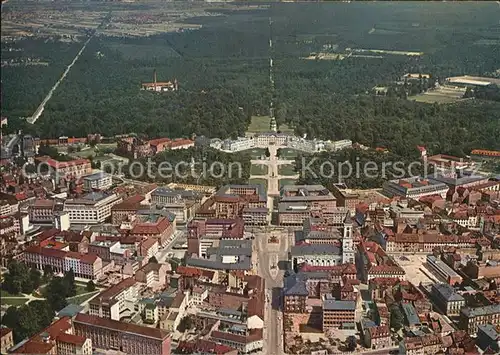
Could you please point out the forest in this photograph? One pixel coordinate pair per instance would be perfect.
(223, 74)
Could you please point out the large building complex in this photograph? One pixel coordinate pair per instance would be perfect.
(124, 337)
(415, 188)
(298, 202)
(92, 208)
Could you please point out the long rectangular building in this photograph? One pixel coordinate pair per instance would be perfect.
(125, 337)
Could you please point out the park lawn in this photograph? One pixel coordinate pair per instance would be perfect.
(259, 124)
(80, 298)
(288, 153)
(288, 169)
(4, 293)
(258, 169)
(284, 182)
(255, 153)
(262, 182)
(14, 301)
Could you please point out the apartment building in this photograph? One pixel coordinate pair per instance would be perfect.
(425, 242)
(70, 344)
(245, 342)
(375, 263)
(415, 188)
(122, 211)
(236, 201)
(152, 274)
(298, 202)
(8, 207)
(182, 203)
(42, 211)
(125, 337)
(97, 181)
(346, 197)
(86, 266)
(110, 250)
(377, 337)
(111, 302)
(338, 314)
(67, 169)
(92, 208)
(155, 227)
(447, 299)
(472, 317)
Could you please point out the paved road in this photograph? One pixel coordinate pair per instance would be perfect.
(162, 253)
(278, 161)
(268, 258)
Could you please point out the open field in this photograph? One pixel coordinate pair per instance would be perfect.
(441, 95)
(288, 169)
(258, 169)
(262, 182)
(284, 182)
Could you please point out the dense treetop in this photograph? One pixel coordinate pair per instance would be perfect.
(223, 73)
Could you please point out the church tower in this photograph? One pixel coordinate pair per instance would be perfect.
(347, 242)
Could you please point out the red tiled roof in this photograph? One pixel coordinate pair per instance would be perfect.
(155, 333)
(130, 204)
(147, 243)
(188, 271)
(54, 253)
(37, 344)
(181, 142)
(4, 331)
(492, 153)
(63, 164)
(379, 332)
(71, 339)
(203, 346)
(151, 228)
(86, 258)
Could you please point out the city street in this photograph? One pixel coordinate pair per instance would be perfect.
(269, 258)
